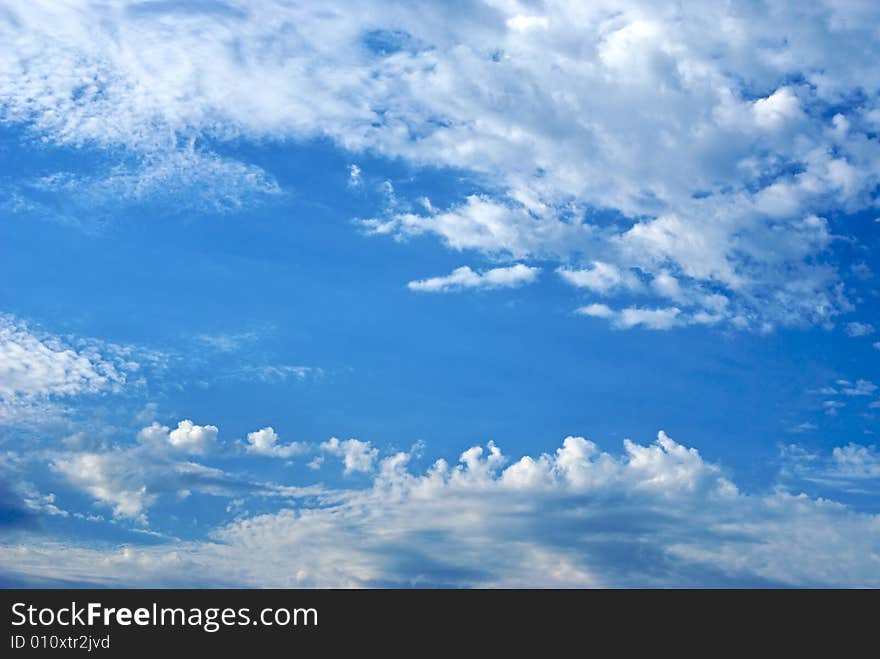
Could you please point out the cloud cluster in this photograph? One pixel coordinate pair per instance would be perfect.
(709, 144)
(657, 515)
(33, 365)
(130, 479)
(853, 468)
(37, 369)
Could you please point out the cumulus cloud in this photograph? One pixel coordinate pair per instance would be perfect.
(464, 278)
(265, 442)
(186, 438)
(730, 102)
(356, 455)
(656, 515)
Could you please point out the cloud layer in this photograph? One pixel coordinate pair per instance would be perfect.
(657, 515)
(708, 145)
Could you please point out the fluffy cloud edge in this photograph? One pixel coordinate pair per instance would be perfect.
(657, 515)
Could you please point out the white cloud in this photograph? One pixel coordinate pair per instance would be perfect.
(600, 278)
(464, 278)
(265, 442)
(777, 110)
(832, 407)
(859, 329)
(657, 515)
(33, 365)
(354, 176)
(655, 319)
(489, 225)
(130, 479)
(597, 310)
(186, 438)
(706, 129)
(356, 455)
(860, 388)
(38, 370)
(273, 373)
(521, 22)
(184, 177)
(110, 478)
(649, 318)
(850, 468)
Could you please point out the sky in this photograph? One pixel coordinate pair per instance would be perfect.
(416, 294)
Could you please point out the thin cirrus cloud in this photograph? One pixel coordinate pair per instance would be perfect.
(753, 136)
(560, 515)
(465, 278)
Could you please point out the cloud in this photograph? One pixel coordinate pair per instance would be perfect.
(130, 479)
(33, 366)
(860, 388)
(37, 369)
(853, 468)
(832, 407)
(656, 515)
(465, 278)
(779, 109)
(356, 455)
(265, 442)
(186, 438)
(600, 278)
(183, 178)
(488, 225)
(859, 329)
(696, 142)
(655, 319)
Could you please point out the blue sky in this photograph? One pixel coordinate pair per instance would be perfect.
(365, 296)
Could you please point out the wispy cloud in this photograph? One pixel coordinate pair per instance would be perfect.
(655, 319)
(859, 329)
(464, 278)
